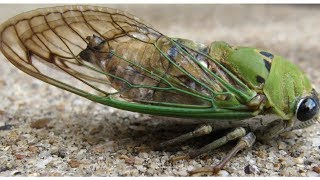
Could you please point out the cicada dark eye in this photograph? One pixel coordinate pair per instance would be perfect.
(307, 108)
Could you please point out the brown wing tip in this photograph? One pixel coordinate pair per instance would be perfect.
(61, 9)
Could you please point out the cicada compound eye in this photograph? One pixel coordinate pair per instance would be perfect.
(308, 107)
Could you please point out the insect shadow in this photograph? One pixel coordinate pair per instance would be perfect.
(128, 131)
(150, 131)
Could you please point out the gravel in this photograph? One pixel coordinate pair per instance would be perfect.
(46, 131)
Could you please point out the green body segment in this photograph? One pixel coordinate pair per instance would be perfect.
(285, 85)
(245, 62)
(282, 82)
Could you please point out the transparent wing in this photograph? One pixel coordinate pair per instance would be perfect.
(53, 37)
(116, 59)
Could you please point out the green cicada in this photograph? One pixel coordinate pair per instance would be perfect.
(124, 63)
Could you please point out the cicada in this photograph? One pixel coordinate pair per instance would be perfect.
(122, 62)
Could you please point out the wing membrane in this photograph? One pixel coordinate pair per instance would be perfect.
(116, 59)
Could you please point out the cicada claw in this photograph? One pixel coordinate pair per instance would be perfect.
(204, 170)
(178, 158)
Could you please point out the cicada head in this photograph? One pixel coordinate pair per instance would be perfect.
(290, 94)
(307, 111)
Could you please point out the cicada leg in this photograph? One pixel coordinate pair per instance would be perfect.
(201, 131)
(235, 134)
(245, 142)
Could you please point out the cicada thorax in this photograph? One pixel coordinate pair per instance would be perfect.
(168, 70)
(250, 65)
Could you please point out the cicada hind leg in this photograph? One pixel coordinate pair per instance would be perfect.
(246, 141)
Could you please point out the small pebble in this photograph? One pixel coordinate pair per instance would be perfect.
(92, 140)
(127, 160)
(42, 163)
(316, 169)
(298, 160)
(15, 173)
(223, 173)
(98, 149)
(52, 141)
(13, 135)
(308, 162)
(251, 169)
(141, 168)
(277, 165)
(57, 174)
(130, 161)
(6, 127)
(139, 161)
(261, 154)
(96, 130)
(283, 153)
(62, 152)
(269, 165)
(44, 154)
(33, 149)
(123, 156)
(34, 174)
(2, 83)
(41, 123)
(289, 162)
(144, 155)
(74, 163)
(288, 171)
(301, 171)
(154, 166)
(81, 154)
(5, 168)
(282, 145)
(135, 172)
(312, 174)
(20, 156)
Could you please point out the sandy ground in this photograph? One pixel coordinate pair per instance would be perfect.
(46, 131)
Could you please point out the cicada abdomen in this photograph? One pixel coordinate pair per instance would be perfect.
(159, 69)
